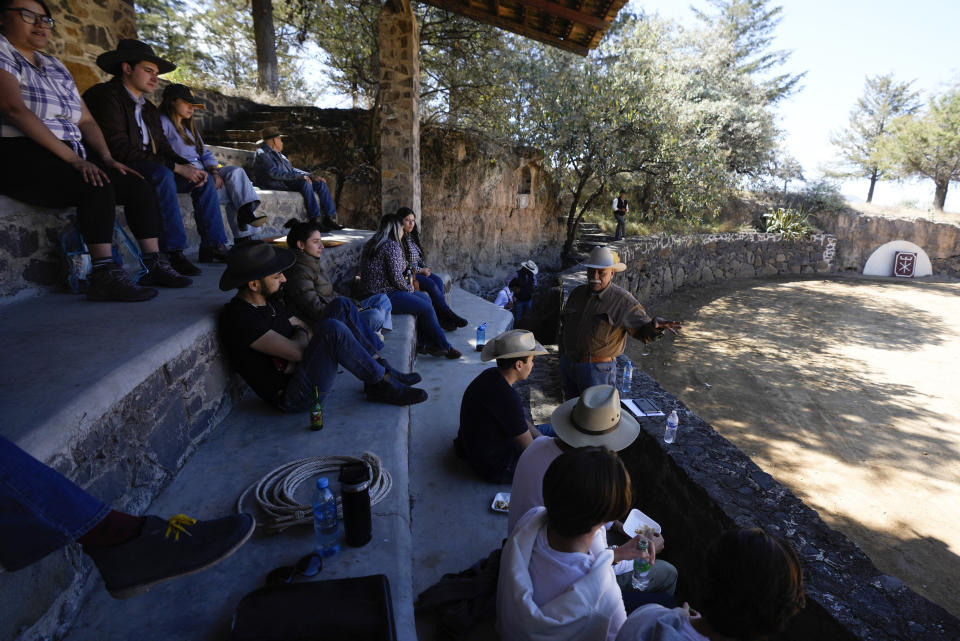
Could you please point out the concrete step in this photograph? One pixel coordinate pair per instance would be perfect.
(413, 444)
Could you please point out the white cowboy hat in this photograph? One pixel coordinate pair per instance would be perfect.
(595, 418)
(532, 266)
(602, 257)
(513, 343)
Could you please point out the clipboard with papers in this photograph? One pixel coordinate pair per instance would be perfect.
(641, 407)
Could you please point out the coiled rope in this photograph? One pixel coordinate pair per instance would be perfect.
(274, 492)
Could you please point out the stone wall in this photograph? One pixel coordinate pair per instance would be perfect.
(658, 265)
(859, 235)
(85, 29)
(702, 485)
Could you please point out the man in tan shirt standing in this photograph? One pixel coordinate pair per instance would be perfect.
(597, 318)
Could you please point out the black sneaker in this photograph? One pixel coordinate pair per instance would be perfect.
(111, 282)
(387, 391)
(167, 549)
(247, 217)
(215, 254)
(161, 274)
(181, 265)
(447, 352)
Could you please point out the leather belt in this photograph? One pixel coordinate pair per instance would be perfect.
(596, 359)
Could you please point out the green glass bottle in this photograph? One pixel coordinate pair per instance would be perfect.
(316, 411)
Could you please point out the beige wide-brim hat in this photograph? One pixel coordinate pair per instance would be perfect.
(595, 418)
(513, 343)
(604, 258)
(532, 266)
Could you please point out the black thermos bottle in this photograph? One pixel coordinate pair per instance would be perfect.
(355, 495)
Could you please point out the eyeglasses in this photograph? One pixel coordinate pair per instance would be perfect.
(31, 18)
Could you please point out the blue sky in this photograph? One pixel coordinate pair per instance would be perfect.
(839, 43)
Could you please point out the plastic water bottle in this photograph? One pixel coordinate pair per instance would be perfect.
(670, 433)
(641, 568)
(325, 522)
(627, 377)
(481, 336)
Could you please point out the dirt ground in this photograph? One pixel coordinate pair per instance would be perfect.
(846, 391)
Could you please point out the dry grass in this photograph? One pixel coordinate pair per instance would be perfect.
(906, 212)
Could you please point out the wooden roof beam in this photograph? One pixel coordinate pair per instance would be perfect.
(573, 15)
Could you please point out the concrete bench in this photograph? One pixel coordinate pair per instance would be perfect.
(116, 397)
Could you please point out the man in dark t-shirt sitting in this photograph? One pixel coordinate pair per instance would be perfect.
(493, 427)
(280, 356)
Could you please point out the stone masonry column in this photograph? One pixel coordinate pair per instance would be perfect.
(399, 107)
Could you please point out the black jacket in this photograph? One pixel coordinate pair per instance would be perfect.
(113, 109)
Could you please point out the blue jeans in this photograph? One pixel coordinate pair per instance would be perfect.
(621, 226)
(237, 191)
(577, 377)
(418, 304)
(433, 286)
(307, 189)
(206, 207)
(342, 309)
(40, 510)
(377, 312)
(520, 308)
(333, 343)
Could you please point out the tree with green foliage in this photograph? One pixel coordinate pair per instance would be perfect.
(927, 145)
(748, 25)
(882, 101)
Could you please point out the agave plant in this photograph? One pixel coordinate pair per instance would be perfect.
(792, 223)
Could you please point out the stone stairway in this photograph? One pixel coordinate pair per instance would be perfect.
(589, 235)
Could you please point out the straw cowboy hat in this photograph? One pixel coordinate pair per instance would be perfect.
(268, 133)
(532, 266)
(253, 261)
(132, 51)
(595, 419)
(512, 344)
(604, 258)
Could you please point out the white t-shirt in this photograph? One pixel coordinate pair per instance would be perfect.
(504, 296)
(527, 490)
(654, 622)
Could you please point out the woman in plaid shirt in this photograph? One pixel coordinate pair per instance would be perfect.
(45, 134)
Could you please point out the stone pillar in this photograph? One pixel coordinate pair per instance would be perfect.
(399, 108)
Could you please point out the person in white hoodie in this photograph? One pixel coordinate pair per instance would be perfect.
(752, 585)
(556, 575)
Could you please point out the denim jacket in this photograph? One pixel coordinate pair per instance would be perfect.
(271, 169)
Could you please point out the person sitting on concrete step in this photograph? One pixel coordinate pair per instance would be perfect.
(752, 585)
(556, 574)
(596, 320)
(42, 511)
(425, 279)
(493, 427)
(384, 270)
(272, 170)
(507, 295)
(309, 292)
(595, 418)
(131, 125)
(234, 189)
(54, 155)
(282, 357)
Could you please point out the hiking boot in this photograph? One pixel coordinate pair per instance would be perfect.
(181, 265)
(394, 393)
(459, 320)
(447, 324)
(214, 254)
(167, 549)
(448, 352)
(410, 378)
(161, 274)
(111, 282)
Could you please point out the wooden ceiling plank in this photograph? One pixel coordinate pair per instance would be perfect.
(573, 15)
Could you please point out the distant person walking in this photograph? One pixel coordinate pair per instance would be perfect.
(620, 210)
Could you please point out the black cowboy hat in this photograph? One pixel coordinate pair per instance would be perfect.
(253, 261)
(183, 92)
(132, 51)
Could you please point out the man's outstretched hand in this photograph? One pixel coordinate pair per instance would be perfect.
(671, 326)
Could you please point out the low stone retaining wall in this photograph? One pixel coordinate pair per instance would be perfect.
(702, 484)
(860, 235)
